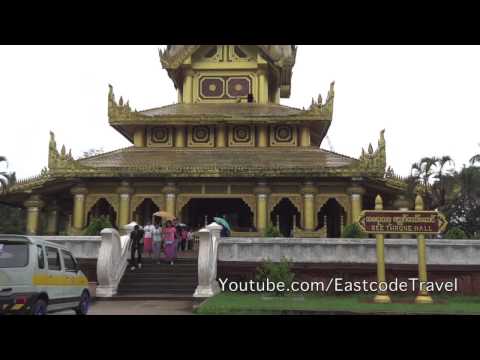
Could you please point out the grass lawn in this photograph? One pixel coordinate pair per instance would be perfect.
(235, 303)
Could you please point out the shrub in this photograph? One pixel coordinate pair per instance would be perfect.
(276, 272)
(455, 233)
(97, 224)
(272, 231)
(353, 231)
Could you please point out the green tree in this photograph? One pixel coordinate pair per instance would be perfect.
(12, 220)
(455, 233)
(97, 224)
(353, 231)
(92, 152)
(445, 181)
(475, 159)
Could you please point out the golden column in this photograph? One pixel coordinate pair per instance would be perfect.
(52, 218)
(139, 137)
(79, 194)
(34, 204)
(170, 191)
(262, 136)
(308, 191)
(262, 191)
(422, 297)
(356, 193)
(262, 87)
(304, 136)
(221, 136)
(180, 138)
(382, 297)
(277, 95)
(124, 192)
(188, 87)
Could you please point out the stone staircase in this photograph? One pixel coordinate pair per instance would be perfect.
(159, 281)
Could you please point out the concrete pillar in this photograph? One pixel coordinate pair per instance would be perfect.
(304, 136)
(124, 192)
(52, 218)
(170, 191)
(262, 191)
(262, 136)
(34, 205)
(356, 193)
(79, 194)
(180, 138)
(188, 87)
(221, 136)
(139, 137)
(308, 191)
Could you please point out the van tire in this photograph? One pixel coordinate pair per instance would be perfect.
(84, 305)
(39, 307)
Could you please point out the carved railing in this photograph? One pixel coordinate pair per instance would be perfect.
(112, 260)
(207, 261)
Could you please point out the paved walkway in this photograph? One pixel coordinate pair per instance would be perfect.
(142, 307)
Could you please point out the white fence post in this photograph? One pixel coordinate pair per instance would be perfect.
(207, 261)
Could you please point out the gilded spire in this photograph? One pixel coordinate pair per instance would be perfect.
(318, 107)
(374, 160)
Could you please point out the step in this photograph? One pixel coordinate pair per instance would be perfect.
(157, 277)
(148, 296)
(144, 282)
(150, 291)
(155, 286)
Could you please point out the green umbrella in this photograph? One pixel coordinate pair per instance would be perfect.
(223, 222)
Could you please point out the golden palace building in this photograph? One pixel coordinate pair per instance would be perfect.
(227, 148)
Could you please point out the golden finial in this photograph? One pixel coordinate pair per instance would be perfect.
(418, 203)
(331, 92)
(378, 203)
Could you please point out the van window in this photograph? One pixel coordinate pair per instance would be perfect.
(69, 261)
(13, 254)
(53, 256)
(40, 257)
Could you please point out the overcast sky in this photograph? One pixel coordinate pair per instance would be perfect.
(426, 97)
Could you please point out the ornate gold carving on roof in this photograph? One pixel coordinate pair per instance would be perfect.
(320, 108)
(119, 110)
(394, 179)
(60, 160)
(374, 161)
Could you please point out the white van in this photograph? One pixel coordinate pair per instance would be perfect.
(37, 277)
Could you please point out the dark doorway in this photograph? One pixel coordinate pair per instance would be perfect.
(102, 208)
(284, 212)
(197, 212)
(143, 214)
(333, 216)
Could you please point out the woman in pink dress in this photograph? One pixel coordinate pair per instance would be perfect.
(148, 239)
(170, 242)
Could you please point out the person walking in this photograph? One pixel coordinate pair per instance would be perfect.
(183, 238)
(136, 238)
(157, 242)
(169, 235)
(189, 239)
(148, 239)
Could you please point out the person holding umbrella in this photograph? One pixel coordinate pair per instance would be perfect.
(224, 224)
